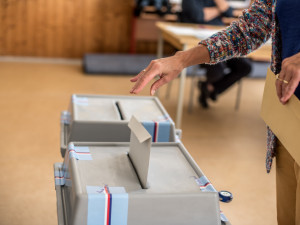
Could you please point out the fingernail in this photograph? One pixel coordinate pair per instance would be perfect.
(153, 92)
(283, 101)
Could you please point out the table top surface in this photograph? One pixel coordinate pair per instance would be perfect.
(185, 36)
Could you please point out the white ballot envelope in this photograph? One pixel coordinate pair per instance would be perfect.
(284, 120)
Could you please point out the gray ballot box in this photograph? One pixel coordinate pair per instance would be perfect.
(135, 183)
(104, 118)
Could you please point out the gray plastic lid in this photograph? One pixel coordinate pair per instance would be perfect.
(169, 169)
(116, 108)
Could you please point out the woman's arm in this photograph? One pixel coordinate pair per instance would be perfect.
(168, 68)
(243, 36)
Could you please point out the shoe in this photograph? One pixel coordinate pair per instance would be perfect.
(203, 94)
(213, 95)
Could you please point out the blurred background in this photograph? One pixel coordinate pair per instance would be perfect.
(43, 49)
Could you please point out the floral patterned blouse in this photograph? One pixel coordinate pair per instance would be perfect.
(253, 29)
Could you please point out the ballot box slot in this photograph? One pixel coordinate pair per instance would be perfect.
(135, 170)
(119, 108)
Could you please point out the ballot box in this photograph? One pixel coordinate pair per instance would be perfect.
(101, 118)
(133, 183)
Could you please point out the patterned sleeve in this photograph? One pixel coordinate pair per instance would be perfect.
(243, 36)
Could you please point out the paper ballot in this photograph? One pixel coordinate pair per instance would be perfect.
(139, 153)
(284, 120)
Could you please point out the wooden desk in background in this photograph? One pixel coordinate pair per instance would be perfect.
(187, 39)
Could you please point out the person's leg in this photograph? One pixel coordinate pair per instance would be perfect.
(285, 186)
(239, 67)
(213, 73)
(297, 172)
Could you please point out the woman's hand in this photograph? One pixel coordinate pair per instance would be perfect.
(289, 78)
(165, 68)
(168, 68)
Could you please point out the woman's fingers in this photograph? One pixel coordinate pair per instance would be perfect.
(166, 68)
(289, 90)
(134, 79)
(157, 84)
(286, 85)
(142, 81)
(288, 79)
(144, 78)
(290, 83)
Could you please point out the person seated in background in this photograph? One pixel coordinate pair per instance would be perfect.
(221, 76)
(161, 6)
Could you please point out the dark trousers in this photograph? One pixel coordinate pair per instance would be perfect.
(222, 80)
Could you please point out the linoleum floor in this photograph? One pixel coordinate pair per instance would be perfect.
(228, 145)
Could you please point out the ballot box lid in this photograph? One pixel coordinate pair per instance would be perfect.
(117, 108)
(171, 169)
(104, 118)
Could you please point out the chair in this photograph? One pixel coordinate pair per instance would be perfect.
(195, 72)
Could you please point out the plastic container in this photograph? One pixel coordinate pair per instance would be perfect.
(101, 118)
(98, 184)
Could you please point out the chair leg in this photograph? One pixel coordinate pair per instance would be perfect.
(157, 92)
(192, 90)
(238, 95)
(168, 92)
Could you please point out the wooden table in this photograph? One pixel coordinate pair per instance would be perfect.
(186, 41)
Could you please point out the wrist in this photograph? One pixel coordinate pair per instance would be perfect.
(193, 56)
(180, 58)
